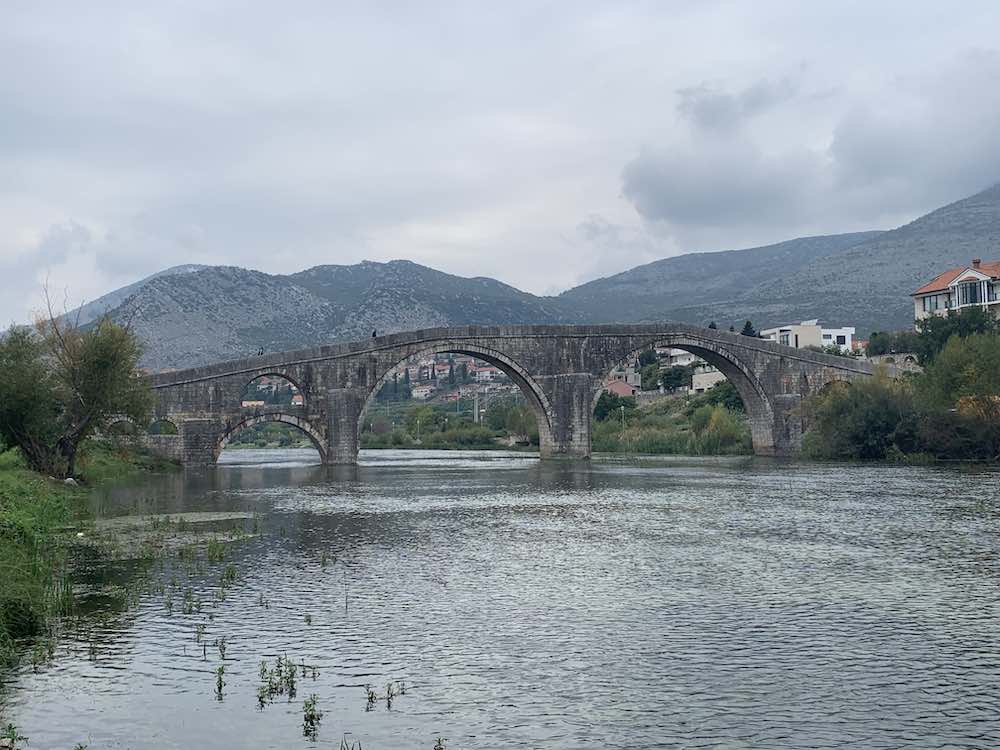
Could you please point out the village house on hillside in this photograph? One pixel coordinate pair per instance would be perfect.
(975, 285)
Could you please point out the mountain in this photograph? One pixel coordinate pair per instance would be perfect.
(869, 284)
(664, 288)
(225, 312)
(91, 311)
(190, 315)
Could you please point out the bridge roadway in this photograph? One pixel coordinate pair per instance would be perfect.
(560, 369)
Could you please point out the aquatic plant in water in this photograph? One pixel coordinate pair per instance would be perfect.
(12, 736)
(311, 717)
(219, 682)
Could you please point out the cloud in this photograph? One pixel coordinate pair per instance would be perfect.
(917, 142)
(539, 145)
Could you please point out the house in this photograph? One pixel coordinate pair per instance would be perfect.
(297, 400)
(975, 285)
(422, 392)
(620, 388)
(810, 333)
(705, 376)
(487, 373)
(628, 373)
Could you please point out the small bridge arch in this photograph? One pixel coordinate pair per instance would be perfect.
(303, 425)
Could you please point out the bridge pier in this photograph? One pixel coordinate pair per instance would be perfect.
(344, 407)
(199, 439)
(571, 403)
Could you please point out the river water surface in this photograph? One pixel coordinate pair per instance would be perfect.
(629, 604)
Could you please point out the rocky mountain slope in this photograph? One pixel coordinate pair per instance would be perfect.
(657, 290)
(207, 314)
(93, 310)
(224, 312)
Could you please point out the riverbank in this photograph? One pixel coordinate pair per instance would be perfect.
(39, 518)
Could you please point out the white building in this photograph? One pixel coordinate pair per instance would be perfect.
(422, 392)
(810, 333)
(705, 376)
(975, 285)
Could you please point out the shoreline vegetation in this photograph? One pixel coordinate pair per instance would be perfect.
(40, 517)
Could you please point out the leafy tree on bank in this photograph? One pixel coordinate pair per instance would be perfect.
(950, 411)
(712, 325)
(62, 384)
(935, 331)
(749, 330)
(722, 394)
(609, 405)
(965, 376)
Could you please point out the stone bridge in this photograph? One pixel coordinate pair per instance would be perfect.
(560, 370)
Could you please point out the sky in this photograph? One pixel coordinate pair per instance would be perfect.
(541, 143)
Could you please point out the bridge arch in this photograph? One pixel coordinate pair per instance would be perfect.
(755, 398)
(536, 398)
(303, 425)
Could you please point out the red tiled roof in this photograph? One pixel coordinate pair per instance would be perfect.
(620, 388)
(941, 281)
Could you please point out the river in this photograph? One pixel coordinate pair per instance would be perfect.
(735, 602)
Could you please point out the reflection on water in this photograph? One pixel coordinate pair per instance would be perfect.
(659, 603)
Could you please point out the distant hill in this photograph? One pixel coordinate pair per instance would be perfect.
(225, 312)
(869, 283)
(661, 289)
(190, 315)
(91, 311)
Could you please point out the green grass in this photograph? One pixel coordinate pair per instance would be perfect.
(677, 426)
(34, 513)
(38, 518)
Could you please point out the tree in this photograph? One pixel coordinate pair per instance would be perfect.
(648, 357)
(406, 377)
(649, 376)
(678, 376)
(965, 375)
(712, 325)
(732, 329)
(463, 373)
(935, 331)
(609, 406)
(64, 383)
(892, 342)
(748, 330)
(451, 373)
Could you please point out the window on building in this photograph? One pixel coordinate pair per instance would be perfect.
(841, 340)
(968, 294)
(783, 339)
(827, 336)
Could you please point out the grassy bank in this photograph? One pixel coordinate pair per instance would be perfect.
(39, 517)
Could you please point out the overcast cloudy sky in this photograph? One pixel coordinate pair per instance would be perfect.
(543, 144)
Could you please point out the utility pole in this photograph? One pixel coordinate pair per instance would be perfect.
(622, 407)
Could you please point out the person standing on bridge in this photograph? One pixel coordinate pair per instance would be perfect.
(373, 333)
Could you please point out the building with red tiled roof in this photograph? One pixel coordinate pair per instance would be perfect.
(975, 285)
(620, 388)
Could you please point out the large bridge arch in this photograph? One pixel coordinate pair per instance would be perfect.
(727, 360)
(535, 396)
(303, 425)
